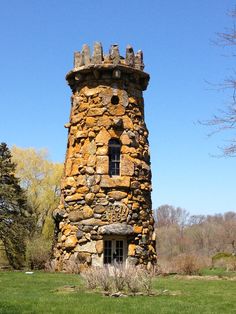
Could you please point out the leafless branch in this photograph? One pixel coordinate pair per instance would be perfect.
(226, 119)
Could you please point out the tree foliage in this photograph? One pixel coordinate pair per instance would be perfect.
(40, 178)
(15, 221)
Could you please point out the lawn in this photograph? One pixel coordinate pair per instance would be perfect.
(50, 293)
(220, 272)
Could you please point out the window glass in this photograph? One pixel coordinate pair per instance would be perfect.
(113, 251)
(114, 157)
(107, 252)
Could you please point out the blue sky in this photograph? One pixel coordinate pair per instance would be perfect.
(38, 39)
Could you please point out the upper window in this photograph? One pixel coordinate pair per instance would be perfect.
(114, 157)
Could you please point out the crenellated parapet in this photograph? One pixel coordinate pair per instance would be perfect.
(97, 63)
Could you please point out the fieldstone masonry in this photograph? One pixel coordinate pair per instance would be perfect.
(106, 103)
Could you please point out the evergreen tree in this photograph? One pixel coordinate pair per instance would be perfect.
(15, 221)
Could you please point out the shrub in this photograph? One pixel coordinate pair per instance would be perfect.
(220, 255)
(38, 252)
(231, 263)
(91, 277)
(71, 267)
(98, 277)
(165, 267)
(133, 279)
(224, 260)
(187, 264)
(104, 278)
(146, 281)
(118, 278)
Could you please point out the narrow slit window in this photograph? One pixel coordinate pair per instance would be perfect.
(114, 157)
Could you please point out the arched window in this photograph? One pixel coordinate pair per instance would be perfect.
(114, 157)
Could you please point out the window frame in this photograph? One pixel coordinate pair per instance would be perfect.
(115, 244)
(114, 152)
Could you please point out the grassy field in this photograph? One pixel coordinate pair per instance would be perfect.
(220, 272)
(49, 293)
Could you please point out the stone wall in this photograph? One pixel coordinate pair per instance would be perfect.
(93, 203)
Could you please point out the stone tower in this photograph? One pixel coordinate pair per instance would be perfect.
(105, 209)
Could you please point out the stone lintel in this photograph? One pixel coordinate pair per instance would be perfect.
(92, 222)
(116, 229)
(113, 182)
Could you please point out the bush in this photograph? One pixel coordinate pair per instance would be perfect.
(165, 267)
(184, 264)
(97, 277)
(90, 276)
(38, 252)
(119, 278)
(146, 281)
(104, 279)
(220, 255)
(224, 260)
(133, 279)
(231, 265)
(187, 264)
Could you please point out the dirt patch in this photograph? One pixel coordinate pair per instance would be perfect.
(67, 289)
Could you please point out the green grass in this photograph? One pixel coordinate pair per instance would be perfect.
(42, 293)
(220, 272)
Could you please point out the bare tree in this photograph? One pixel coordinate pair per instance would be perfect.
(177, 233)
(169, 215)
(171, 222)
(226, 119)
(230, 228)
